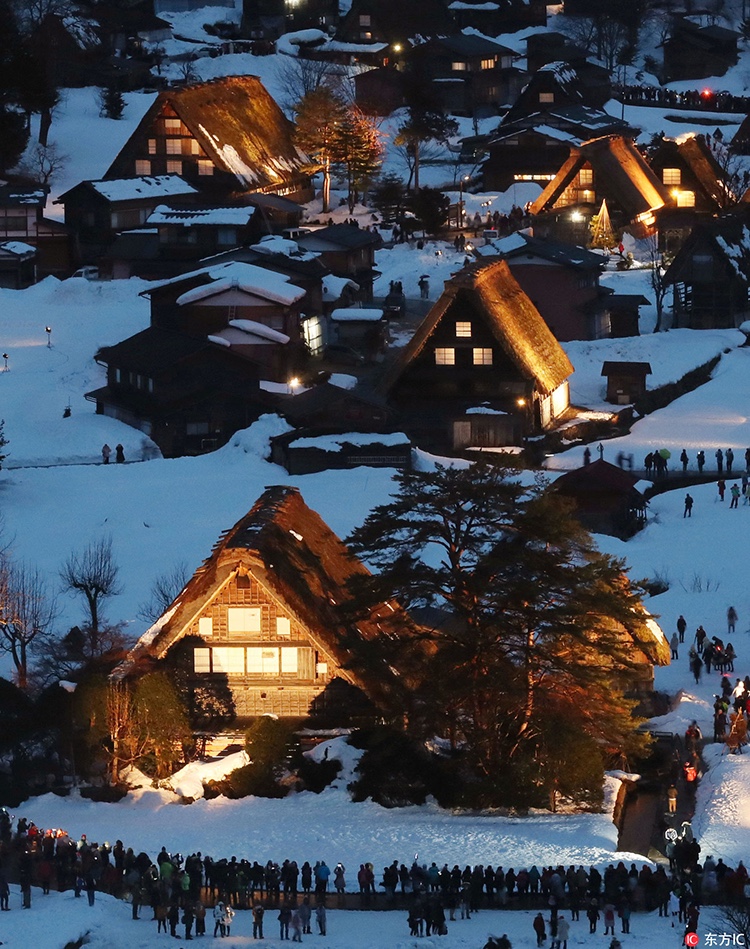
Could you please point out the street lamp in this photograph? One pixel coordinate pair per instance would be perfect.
(5, 358)
(460, 222)
(48, 331)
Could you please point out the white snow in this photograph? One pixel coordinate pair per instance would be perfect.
(356, 439)
(356, 314)
(153, 186)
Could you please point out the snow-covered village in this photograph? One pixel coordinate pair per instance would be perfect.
(374, 471)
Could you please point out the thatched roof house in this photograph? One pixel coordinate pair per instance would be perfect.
(225, 135)
(262, 612)
(483, 358)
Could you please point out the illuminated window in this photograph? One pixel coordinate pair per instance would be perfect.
(152, 146)
(174, 146)
(229, 659)
(546, 96)
(288, 660)
(482, 357)
(586, 176)
(243, 619)
(172, 125)
(174, 167)
(283, 626)
(143, 167)
(672, 176)
(195, 148)
(364, 19)
(463, 330)
(686, 199)
(263, 660)
(365, 35)
(201, 660)
(445, 357)
(205, 167)
(205, 626)
(459, 66)
(488, 64)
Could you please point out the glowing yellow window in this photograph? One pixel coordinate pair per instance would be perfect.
(445, 356)
(482, 357)
(463, 330)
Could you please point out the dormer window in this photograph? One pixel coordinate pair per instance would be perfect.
(547, 97)
(463, 330)
(672, 176)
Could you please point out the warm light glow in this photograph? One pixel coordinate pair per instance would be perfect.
(397, 47)
(520, 402)
(293, 383)
(576, 217)
(675, 192)
(706, 93)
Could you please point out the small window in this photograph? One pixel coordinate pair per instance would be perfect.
(672, 176)
(263, 660)
(463, 330)
(459, 66)
(230, 659)
(174, 167)
(195, 148)
(482, 357)
(445, 356)
(227, 236)
(488, 63)
(686, 199)
(283, 627)
(174, 146)
(321, 669)
(586, 176)
(152, 146)
(547, 97)
(205, 167)
(118, 375)
(172, 126)
(205, 626)
(365, 35)
(142, 167)
(364, 19)
(243, 619)
(201, 660)
(196, 428)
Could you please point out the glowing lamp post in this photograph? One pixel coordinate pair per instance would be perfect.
(48, 331)
(292, 385)
(460, 222)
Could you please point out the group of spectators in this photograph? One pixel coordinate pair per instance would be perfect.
(642, 94)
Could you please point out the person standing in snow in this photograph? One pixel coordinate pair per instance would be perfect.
(674, 644)
(735, 492)
(320, 918)
(539, 929)
(593, 916)
(701, 459)
(729, 458)
(119, 454)
(719, 455)
(731, 619)
(721, 486)
(106, 452)
(563, 931)
(684, 459)
(688, 512)
(219, 926)
(681, 627)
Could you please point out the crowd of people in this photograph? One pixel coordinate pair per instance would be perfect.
(643, 94)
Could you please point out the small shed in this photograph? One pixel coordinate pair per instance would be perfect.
(305, 451)
(606, 498)
(17, 265)
(624, 313)
(626, 381)
(359, 327)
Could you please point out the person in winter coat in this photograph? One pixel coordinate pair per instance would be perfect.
(593, 915)
(188, 918)
(719, 455)
(119, 454)
(296, 926)
(285, 917)
(199, 910)
(729, 458)
(339, 882)
(721, 487)
(563, 931)
(684, 459)
(305, 914)
(674, 645)
(173, 916)
(626, 911)
(228, 917)
(701, 459)
(4, 893)
(320, 918)
(219, 925)
(106, 452)
(681, 627)
(539, 929)
(609, 920)
(731, 619)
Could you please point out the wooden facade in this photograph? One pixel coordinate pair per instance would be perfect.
(262, 613)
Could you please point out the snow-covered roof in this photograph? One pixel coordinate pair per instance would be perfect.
(738, 252)
(356, 439)
(289, 44)
(355, 314)
(276, 244)
(248, 333)
(188, 217)
(334, 286)
(259, 329)
(460, 5)
(146, 186)
(484, 409)
(17, 248)
(236, 274)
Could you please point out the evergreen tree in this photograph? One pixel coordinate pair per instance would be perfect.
(14, 132)
(423, 123)
(388, 197)
(318, 116)
(430, 207)
(112, 103)
(537, 620)
(359, 152)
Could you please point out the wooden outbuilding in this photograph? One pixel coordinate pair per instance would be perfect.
(606, 498)
(626, 381)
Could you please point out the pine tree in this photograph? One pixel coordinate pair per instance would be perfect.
(112, 103)
(318, 116)
(430, 207)
(14, 132)
(359, 152)
(538, 620)
(602, 235)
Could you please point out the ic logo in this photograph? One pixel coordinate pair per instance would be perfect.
(692, 939)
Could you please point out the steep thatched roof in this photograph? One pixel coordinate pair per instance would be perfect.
(239, 126)
(695, 154)
(511, 317)
(291, 552)
(620, 174)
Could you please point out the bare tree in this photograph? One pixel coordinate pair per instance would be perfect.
(92, 574)
(163, 592)
(43, 163)
(26, 611)
(656, 279)
(296, 77)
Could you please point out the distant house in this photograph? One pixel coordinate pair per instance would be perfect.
(347, 251)
(482, 369)
(187, 394)
(697, 184)
(626, 380)
(606, 498)
(365, 329)
(517, 153)
(548, 46)
(498, 16)
(469, 74)
(96, 211)
(696, 52)
(308, 451)
(710, 276)
(262, 616)
(329, 408)
(129, 31)
(561, 280)
(609, 168)
(22, 219)
(227, 137)
(269, 19)
(379, 91)
(558, 85)
(17, 265)
(392, 22)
